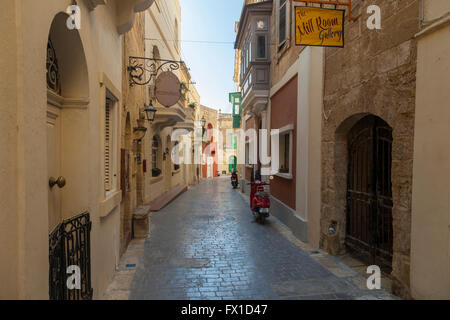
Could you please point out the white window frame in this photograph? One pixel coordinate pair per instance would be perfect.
(288, 129)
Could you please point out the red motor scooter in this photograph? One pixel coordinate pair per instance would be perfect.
(259, 201)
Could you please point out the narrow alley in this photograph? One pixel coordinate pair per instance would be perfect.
(140, 137)
(205, 245)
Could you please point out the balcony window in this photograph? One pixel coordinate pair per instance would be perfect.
(261, 47)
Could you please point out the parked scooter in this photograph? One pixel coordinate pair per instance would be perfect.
(259, 201)
(234, 179)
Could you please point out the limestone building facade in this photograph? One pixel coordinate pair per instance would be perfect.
(60, 132)
(369, 93)
(157, 156)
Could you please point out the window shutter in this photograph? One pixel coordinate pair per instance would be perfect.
(107, 147)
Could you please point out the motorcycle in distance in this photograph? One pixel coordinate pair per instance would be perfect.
(234, 179)
(259, 201)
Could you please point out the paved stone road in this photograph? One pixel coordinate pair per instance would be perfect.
(205, 245)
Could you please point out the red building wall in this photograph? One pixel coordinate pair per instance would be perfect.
(284, 112)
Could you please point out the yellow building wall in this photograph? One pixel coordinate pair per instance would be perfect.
(24, 244)
(9, 137)
(430, 234)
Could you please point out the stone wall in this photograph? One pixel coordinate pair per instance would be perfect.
(374, 74)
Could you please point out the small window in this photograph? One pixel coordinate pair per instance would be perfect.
(284, 152)
(282, 22)
(155, 152)
(261, 47)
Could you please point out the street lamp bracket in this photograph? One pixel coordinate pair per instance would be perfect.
(142, 70)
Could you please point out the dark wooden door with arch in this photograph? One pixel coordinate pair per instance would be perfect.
(369, 191)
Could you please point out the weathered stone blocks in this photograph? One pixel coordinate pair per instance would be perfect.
(374, 74)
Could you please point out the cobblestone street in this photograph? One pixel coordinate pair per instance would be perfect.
(205, 245)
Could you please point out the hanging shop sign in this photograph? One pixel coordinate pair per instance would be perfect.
(319, 27)
(167, 89)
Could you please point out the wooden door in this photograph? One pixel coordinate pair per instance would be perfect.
(54, 165)
(369, 191)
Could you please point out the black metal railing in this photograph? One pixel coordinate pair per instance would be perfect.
(70, 245)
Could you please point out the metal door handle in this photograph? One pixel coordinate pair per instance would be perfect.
(61, 182)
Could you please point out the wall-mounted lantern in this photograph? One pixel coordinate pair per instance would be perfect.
(150, 112)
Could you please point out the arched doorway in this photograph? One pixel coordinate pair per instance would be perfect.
(369, 229)
(67, 102)
(67, 123)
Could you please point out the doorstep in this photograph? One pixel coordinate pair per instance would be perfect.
(167, 197)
